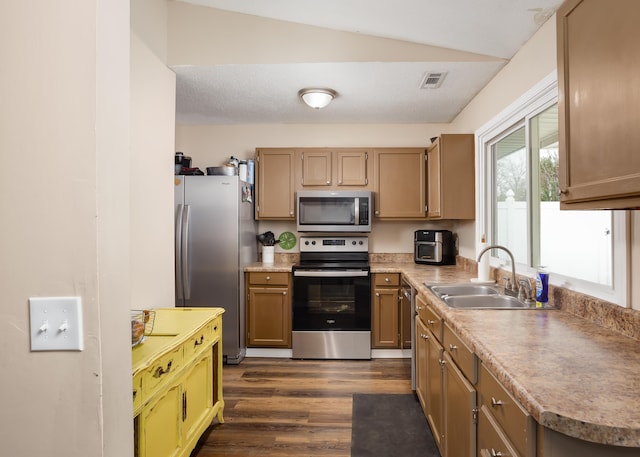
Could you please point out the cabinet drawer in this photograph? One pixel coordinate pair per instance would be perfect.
(491, 439)
(198, 342)
(461, 354)
(269, 278)
(162, 369)
(137, 390)
(430, 319)
(216, 329)
(514, 420)
(384, 279)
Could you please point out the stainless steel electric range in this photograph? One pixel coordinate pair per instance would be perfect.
(332, 299)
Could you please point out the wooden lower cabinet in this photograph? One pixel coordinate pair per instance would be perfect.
(460, 412)
(385, 318)
(269, 310)
(177, 374)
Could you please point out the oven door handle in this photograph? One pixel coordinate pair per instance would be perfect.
(331, 274)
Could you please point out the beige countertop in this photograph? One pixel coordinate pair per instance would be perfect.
(571, 375)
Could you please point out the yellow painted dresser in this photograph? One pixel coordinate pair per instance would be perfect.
(177, 381)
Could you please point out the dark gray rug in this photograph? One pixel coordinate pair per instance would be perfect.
(390, 425)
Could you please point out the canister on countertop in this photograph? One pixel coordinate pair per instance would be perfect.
(542, 287)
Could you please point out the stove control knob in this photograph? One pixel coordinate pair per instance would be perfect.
(306, 243)
(353, 242)
(313, 242)
(361, 242)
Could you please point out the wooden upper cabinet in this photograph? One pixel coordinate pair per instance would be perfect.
(275, 184)
(352, 168)
(400, 183)
(451, 177)
(316, 168)
(333, 169)
(599, 104)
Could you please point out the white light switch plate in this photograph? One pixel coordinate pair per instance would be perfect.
(56, 323)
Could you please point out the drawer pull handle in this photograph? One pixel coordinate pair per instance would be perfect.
(268, 278)
(284, 293)
(441, 362)
(453, 347)
(495, 402)
(160, 371)
(135, 393)
(430, 322)
(386, 280)
(495, 453)
(197, 343)
(215, 329)
(418, 307)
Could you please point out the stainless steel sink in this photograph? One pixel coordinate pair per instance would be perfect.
(478, 296)
(463, 289)
(484, 302)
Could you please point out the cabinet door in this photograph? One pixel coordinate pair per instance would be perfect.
(435, 413)
(269, 317)
(385, 318)
(198, 398)
(422, 357)
(405, 322)
(433, 181)
(400, 183)
(460, 405)
(352, 168)
(275, 184)
(316, 168)
(451, 177)
(599, 104)
(161, 425)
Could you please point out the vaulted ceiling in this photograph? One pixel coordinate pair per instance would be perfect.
(467, 40)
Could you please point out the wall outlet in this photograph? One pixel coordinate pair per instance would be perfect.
(56, 323)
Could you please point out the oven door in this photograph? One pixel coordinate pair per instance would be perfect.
(331, 300)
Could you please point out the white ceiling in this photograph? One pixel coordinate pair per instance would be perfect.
(368, 92)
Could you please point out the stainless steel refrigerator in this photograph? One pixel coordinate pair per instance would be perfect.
(215, 237)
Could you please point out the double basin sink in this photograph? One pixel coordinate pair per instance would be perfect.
(476, 296)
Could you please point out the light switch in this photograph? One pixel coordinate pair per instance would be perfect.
(56, 323)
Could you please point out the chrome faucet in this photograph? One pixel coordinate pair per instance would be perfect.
(509, 285)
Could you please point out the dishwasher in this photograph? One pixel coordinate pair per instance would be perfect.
(409, 295)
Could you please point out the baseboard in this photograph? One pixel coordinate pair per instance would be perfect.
(286, 353)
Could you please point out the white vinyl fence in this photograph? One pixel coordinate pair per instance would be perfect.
(573, 243)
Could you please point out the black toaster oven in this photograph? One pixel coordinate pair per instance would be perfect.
(435, 247)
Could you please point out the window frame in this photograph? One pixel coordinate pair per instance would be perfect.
(534, 101)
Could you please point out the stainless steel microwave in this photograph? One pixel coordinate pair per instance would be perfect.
(334, 210)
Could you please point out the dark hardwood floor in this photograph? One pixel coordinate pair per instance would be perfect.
(283, 407)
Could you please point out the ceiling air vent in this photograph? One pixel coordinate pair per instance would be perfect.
(432, 80)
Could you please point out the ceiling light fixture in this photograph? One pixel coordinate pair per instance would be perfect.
(317, 98)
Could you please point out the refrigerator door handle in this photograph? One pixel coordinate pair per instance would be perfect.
(186, 273)
(178, 252)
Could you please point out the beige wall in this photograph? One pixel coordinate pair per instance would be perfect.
(65, 223)
(151, 164)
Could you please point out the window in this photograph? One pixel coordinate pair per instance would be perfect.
(520, 204)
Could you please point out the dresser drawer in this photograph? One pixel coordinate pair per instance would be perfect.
(461, 354)
(517, 424)
(216, 329)
(430, 319)
(386, 279)
(269, 278)
(161, 370)
(198, 342)
(491, 439)
(137, 390)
